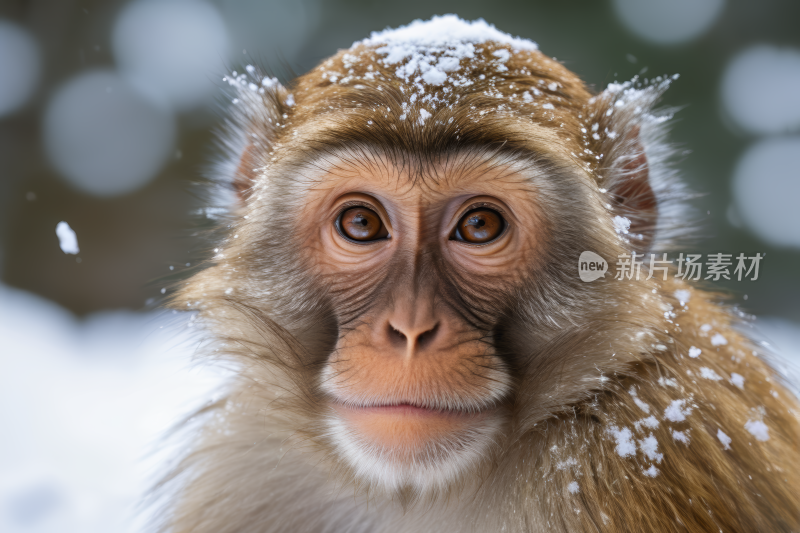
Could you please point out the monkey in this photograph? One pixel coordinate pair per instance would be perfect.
(413, 350)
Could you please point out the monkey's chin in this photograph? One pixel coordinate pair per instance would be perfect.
(406, 447)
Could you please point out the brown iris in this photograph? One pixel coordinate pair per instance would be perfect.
(480, 226)
(361, 224)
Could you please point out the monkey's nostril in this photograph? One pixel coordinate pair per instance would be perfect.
(426, 337)
(396, 336)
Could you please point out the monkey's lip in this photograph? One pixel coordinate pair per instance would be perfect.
(406, 426)
(404, 409)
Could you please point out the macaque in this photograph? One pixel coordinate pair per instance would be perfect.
(396, 288)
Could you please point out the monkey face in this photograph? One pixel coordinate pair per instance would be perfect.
(407, 280)
(421, 271)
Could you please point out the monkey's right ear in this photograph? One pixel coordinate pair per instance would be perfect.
(252, 130)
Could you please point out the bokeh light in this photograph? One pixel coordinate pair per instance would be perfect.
(672, 22)
(761, 89)
(766, 189)
(20, 66)
(171, 49)
(104, 137)
(270, 31)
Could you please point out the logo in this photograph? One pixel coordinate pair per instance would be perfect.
(591, 266)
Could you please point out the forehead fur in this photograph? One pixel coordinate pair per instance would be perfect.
(485, 93)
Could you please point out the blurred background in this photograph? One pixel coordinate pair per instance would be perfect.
(107, 109)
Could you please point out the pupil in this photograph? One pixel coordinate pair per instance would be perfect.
(362, 220)
(481, 222)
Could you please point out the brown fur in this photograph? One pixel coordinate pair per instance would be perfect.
(260, 461)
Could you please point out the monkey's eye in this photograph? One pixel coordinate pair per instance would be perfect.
(479, 226)
(361, 224)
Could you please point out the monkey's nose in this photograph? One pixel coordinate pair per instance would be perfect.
(411, 339)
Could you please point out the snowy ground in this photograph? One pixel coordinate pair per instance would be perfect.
(82, 407)
(83, 404)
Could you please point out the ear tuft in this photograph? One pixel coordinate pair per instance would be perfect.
(635, 167)
(252, 129)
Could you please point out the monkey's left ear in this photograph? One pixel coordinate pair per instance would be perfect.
(633, 170)
(629, 186)
(256, 112)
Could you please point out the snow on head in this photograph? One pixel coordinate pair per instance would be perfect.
(677, 411)
(649, 447)
(67, 239)
(737, 380)
(643, 406)
(758, 429)
(432, 50)
(624, 439)
(649, 422)
(694, 352)
(573, 487)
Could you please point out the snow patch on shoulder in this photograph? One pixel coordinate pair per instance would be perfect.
(708, 373)
(758, 429)
(724, 439)
(718, 340)
(681, 436)
(683, 296)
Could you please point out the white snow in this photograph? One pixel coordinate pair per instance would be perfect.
(622, 224)
(677, 411)
(737, 380)
(423, 116)
(708, 373)
(668, 382)
(649, 422)
(681, 436)
(649, 446)
(651, 472)
(84, 406)
(694, 352)
(643, 406)
(705, 328)
(758, 429)
(624, 438)
(683, 296)
(430, 50)
(724, 439)
(67, 239)
(573, 487)
(718, 340)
